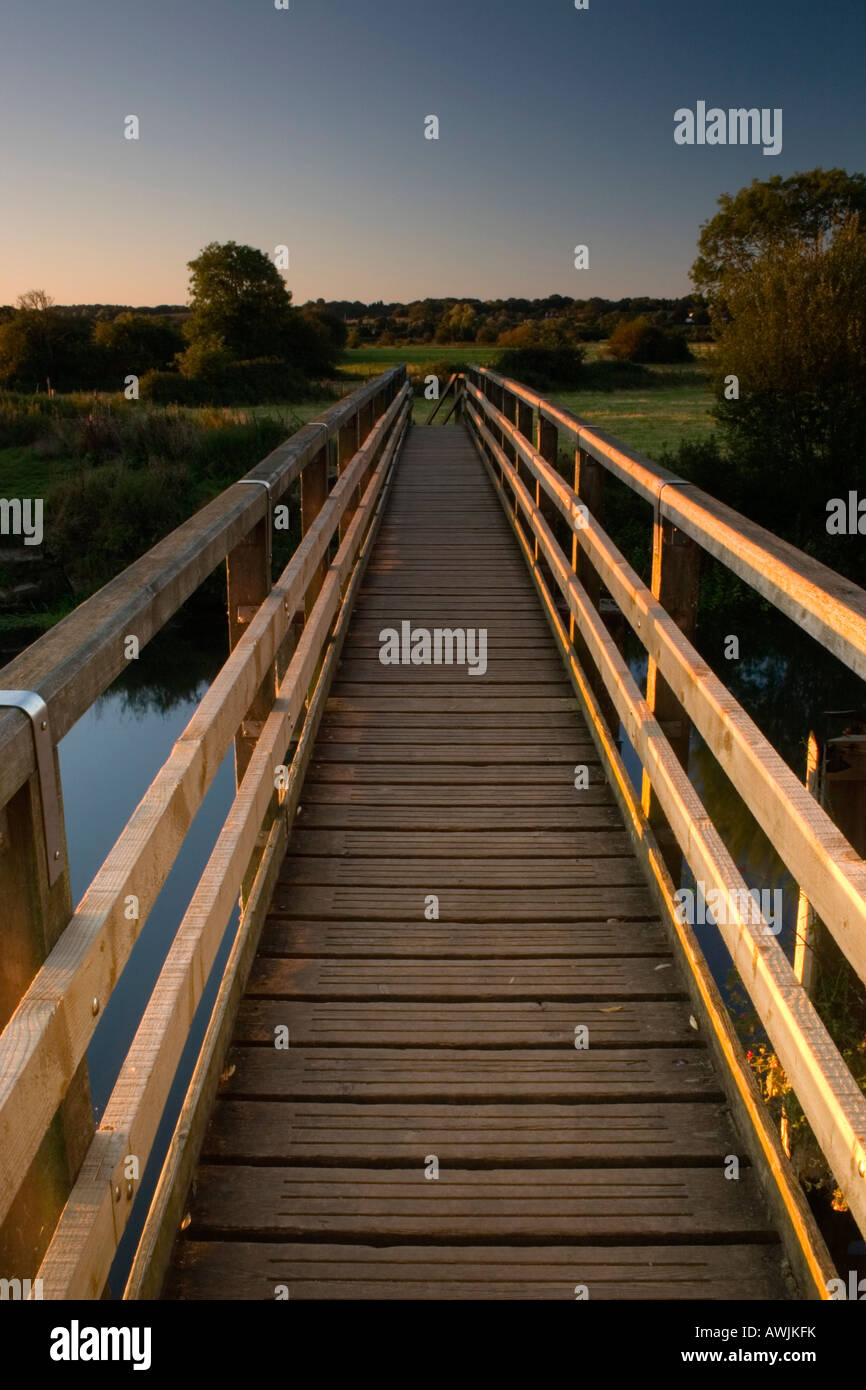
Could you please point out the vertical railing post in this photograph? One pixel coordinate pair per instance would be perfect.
(547, 444)
(524, 427)
(589, 486)
(675, 583)
(248, 583)
(33, 914)
(347, 447)
(509, 410)
(460, 392)
(810, 933)
(314, 492)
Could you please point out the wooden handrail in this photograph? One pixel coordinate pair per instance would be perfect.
(80, 1254)
(831, 1099)
(75, 662)
(815, 851)
(48, 1034)
(826, 605)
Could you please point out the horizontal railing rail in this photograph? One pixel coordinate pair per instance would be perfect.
(829, 870)
(43, 1044)
(829, 607)
(77, 660)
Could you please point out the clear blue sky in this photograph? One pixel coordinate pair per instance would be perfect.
(305, 127)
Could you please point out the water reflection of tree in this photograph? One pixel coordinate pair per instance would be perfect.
(176, 666)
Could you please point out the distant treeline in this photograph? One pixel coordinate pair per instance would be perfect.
(107, 312)
(487, 322)
(490, 321)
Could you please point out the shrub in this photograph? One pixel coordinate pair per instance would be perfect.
(25, 419)
(265, 381)
(104, 519)
(547, 369)
(136, 343)
(638, 340)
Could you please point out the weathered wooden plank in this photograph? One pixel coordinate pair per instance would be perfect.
(485, 1076)
(498, 672)
(639, 1135)
(332, 786)
(461, 904)
(405, 871)
(580, 979)
(497, 706)
(532, 1023)
(472, 754)
(567, 740)
(434, 843)
(394, 939)
(321, 812)
(543, 726)
(576, 1204)
(477, 776)
(256, 1270)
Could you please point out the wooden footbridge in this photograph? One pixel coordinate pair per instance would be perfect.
(463, 1047)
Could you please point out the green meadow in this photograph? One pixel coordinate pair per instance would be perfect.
(652, 418)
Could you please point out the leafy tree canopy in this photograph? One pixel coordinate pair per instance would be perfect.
(806, 206)
(238, 296)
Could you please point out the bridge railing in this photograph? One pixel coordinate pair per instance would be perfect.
(60, 965)
(518, 434)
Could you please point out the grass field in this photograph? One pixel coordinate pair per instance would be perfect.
(24, 474)
(649, 419)
(676, 405)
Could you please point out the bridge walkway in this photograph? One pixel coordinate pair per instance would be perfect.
(453, 910)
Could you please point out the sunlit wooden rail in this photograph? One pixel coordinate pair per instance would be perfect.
(412, 1036)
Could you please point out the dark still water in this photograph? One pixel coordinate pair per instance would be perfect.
(108, 760)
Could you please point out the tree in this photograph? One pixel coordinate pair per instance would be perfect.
(240, 303)
(807, 206)
(795, 345)
(457, 324)
(539, 333)
(638, 340)
(34, 299)
(137, 343)
(332, 325)
(38, 345)
(239, 296)
(205, 359)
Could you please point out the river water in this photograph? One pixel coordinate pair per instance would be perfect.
(107, 761)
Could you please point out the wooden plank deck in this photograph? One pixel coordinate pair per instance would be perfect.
(558, 1167)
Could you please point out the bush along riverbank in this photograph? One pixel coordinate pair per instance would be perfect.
(108, 479)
